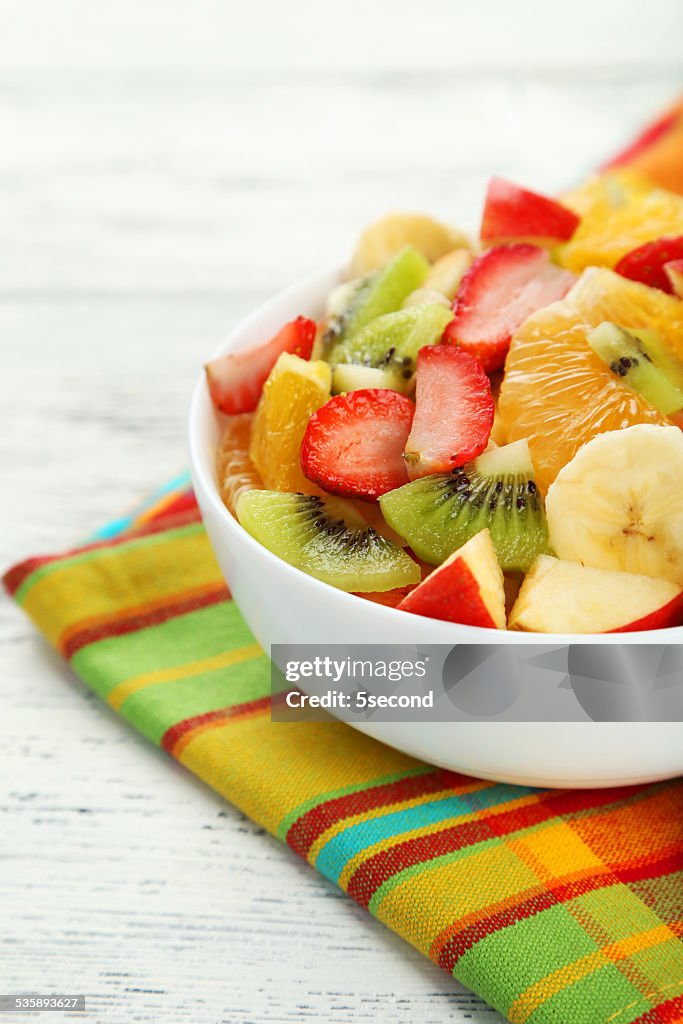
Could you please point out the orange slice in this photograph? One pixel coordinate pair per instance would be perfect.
(294, 390)
(557, 392)
(619, 212)
(235, 470)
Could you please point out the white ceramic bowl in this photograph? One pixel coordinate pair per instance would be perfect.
(283, 605)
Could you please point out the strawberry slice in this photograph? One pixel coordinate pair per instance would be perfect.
(236, 379)
(674, 271)
(354, 444)
(646, 263)
(467, 588)
(454, 411)
(514, 213)
(499, 291)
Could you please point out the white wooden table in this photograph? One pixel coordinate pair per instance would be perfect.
(163, 167)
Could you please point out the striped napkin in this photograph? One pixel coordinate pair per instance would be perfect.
(556, 907)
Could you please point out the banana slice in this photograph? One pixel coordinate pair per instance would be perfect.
(385, 237)
(443, 279)
(448, 271)
(619, 503)
(425, 297)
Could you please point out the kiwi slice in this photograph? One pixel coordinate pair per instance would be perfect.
(642, 362)
(391, 342)
(328, 539)
(350, 377)
(437, 514)
(354, 305)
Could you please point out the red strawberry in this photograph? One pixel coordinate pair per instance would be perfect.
(646, 263)
(511, 212)
(499, 291)
(236, 379)
(467, 588)
(674, 271)
(453, 411)
(354, 444)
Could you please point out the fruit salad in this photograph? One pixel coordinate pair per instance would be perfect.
(487, 433)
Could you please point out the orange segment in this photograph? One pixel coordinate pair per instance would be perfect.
(294, 390)
(556, 392)
(236, 472)
(619, 211)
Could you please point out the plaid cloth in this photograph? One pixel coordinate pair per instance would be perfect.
(554, 906)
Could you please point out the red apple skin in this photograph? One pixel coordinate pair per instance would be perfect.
(651, 134)
(656, 152)
(452, 594)
(512, 213)
(670, 614)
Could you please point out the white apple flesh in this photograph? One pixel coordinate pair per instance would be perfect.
(566, 597)
(467, 588)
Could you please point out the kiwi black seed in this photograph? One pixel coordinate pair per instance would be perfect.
(641, 361)
(392, 342)
(437, 514)
(380, 292)
(326, 538)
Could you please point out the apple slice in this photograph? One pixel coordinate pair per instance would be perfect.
(514, 214)
(674, 271)
(648, 137)
(655, 153)
(236, 379)
(567, 597)
(468, 588)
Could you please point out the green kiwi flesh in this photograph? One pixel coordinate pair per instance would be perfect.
(391, 342)
(326, 538)
(639, 359)
(351, 377)
(437, 514)
(380, 292)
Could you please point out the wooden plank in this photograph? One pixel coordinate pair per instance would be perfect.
(165, 167)
(158, 184)
(205, 36)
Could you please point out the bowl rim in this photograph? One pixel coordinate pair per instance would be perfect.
(204, 480)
